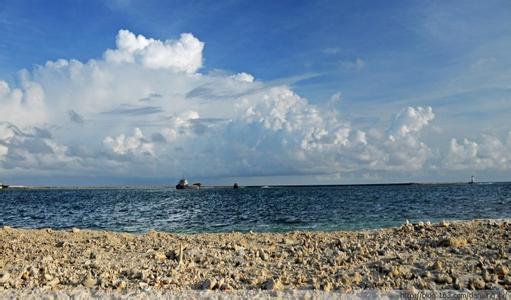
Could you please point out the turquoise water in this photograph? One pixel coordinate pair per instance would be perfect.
(273, 209)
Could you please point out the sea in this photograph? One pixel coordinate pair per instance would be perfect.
(258, 209)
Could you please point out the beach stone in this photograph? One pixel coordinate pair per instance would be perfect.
(438, 265)
(356, 278)
(4, 277)
(487, 277)
(159, 256)
(75, 230)
(47, 259)
(143, 285)
(507, 280)
(152, 233)
(503, 254)
(478, 283)
(218, 283)
(396, 271)
(459, 284)
(287, 241)
(455, 242)
(25, 275)
(406, 227)
(271, 284)
(120, 285)
(53, 282)
(208, 284)
(172, 254)
(443, 279)
(444, 224)
(327, 286)
(345, 279)
(501, 270)
(89, 282)
(263, 255)
(33, 271)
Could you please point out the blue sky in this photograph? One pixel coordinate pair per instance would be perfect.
(367, 62)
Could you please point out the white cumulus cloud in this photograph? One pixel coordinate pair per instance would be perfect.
(243, 77)
(34, 149)
(184, 54)
(410, 120)
(136, 144)
(489, 152)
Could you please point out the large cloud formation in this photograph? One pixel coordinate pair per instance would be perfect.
(145, 108)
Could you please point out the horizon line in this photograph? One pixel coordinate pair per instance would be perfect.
(149, 186)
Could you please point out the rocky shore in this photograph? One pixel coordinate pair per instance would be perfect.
(473, 255)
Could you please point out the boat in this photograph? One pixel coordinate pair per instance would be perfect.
(3, 186)
(183, 185)
(472, 180)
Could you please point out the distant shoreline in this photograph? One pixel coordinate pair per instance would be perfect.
(113, 187)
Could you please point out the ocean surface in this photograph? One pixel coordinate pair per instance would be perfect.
(274, 209)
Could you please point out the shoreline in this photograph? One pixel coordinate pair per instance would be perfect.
(413, 222)
(454, 255)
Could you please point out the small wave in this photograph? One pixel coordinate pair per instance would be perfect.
(216, 225)
(289, 220)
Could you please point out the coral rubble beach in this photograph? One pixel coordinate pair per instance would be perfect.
(461, 255)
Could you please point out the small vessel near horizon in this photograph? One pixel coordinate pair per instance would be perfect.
(3, 186)
(183, 185)
(472, 180)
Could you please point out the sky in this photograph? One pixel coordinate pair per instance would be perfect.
(132, 92)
